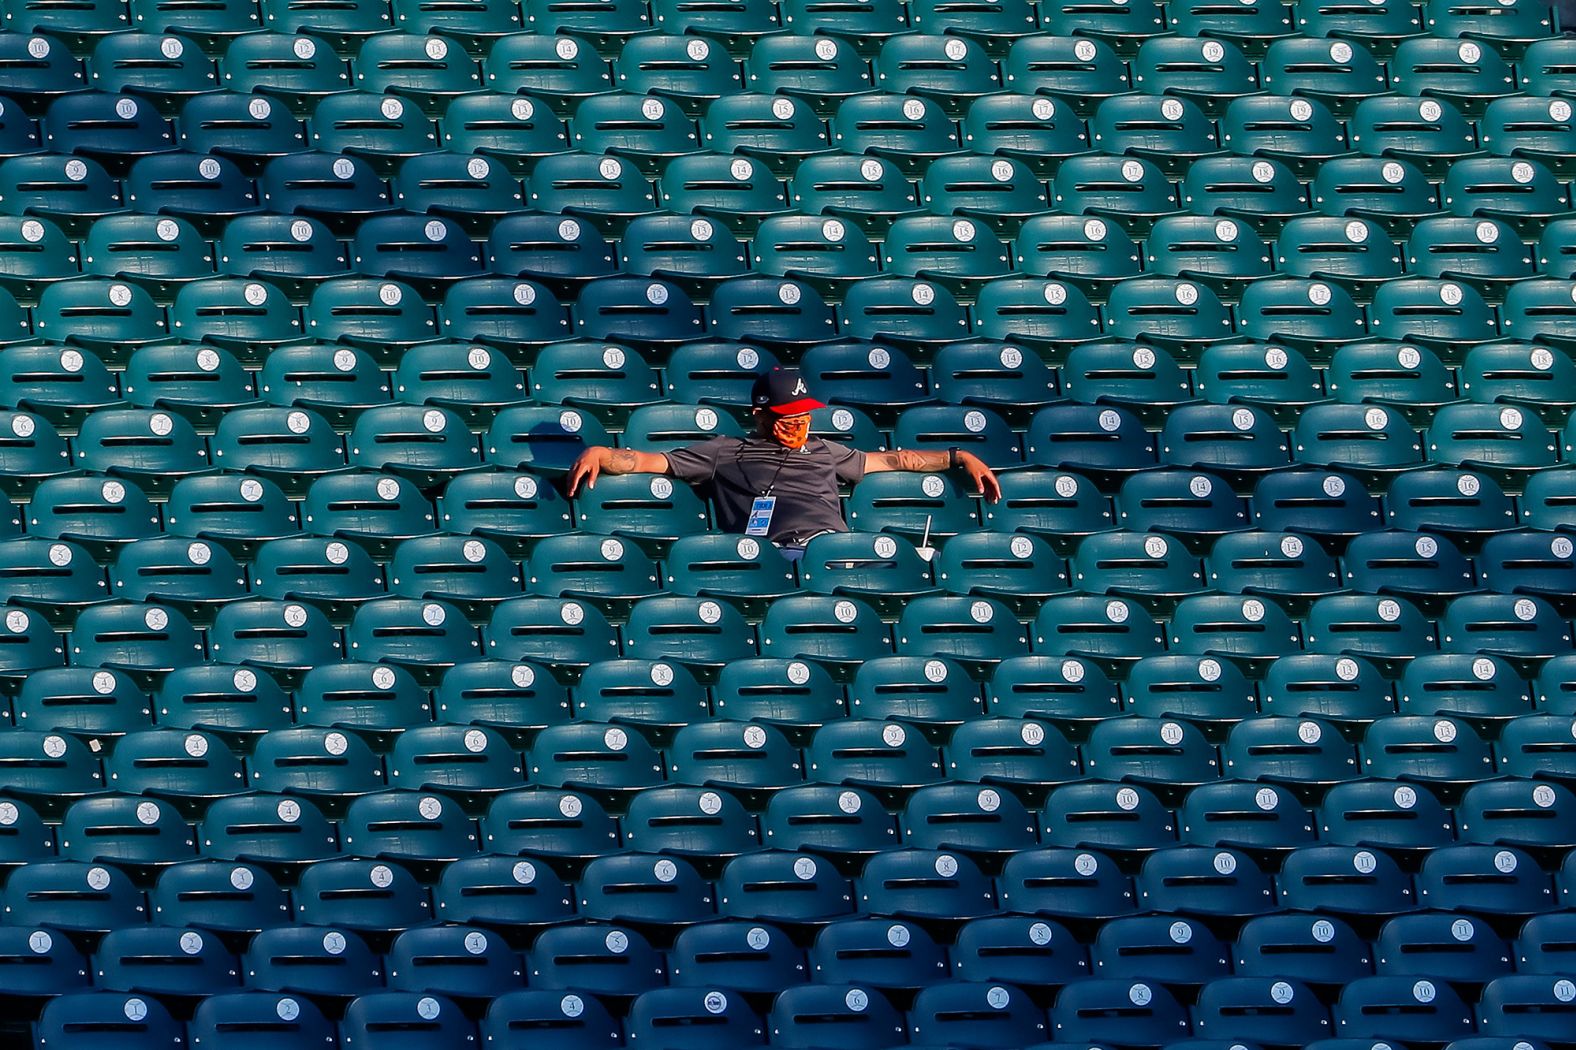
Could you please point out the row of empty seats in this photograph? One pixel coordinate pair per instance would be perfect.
(290, 636)
(1129, 24)
(691, 69)
(1115, 1012)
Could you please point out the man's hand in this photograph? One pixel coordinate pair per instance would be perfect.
(908, 459)
(599, 459)
(984, 478)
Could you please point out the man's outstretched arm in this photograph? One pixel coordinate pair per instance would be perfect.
(913, 460)
(599, 459)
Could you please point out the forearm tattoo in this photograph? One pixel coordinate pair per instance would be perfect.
(621, 461)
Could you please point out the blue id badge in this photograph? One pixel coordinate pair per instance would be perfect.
(760, 523)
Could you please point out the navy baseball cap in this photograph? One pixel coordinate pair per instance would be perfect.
(783, 391)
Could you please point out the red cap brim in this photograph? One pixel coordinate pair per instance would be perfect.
(795, 408)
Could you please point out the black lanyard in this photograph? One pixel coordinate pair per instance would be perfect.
(782, 461)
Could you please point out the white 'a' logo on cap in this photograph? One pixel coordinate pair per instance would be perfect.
(798, 387)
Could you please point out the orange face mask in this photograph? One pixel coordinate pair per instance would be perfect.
(792, 431)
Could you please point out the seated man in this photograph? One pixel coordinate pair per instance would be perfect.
(780, 483)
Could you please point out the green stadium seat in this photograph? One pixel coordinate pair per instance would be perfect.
(1124, 28)
(1044, 312)
(553, 71)
(139, 833)
(168, 68)
(1029, 129)
(283, 638)
(1527, 375)
(1110, 632)
(115, 130)
(396, 901)
(443, 960)
(1114, 818)
(949, 70)
(644, 889)
(503, 312)
(418, 67)
(80, 699)
(1386, 631)
(206, 887)
(384, 130)
(1255, 631)
(338, 190)
(1042, 881)
(468, 190)
(1198, 688)
(1216, 252)
(539, 822)
(1265, 194)
(736, 191)
(38, 69)
(98, 513)
(343, 965)
(1394, 193)
(1077, 71)
(645, 130)
(820, 71)
(1150, 569)
(1181, 315)
(1455, 503)
(1512, 26)
(484, 21)
(1252, 25)
(691, 71)
(423, 636)
(1209, 73)
(1468, 73)
(1338, 73)
(1523, 193)
(1144, 946)
(237, 704)
(559, 632)
(292, 71)
(1298, 132)
(1133, 192)
(1277, 380)
(905, 131)
(514, 130)
(1280, 565)
(1187, 505)
(376, 700)
(1544, 68)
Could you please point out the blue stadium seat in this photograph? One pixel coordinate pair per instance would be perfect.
(106, 1019)
(332, 962)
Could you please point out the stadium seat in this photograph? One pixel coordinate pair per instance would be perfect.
(250, 1019)
(1368, 1008)
(103, 1019)
(1385, 814)
(140, 834)
(375, 898)
(334, 962)
(261, 829)
(754, 958)
(1311, 948)
(1344, 881)
(1103, 1009)
(783, 888)
(544, 822)
(843, 822)
(164, 960)
(420, 1021)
